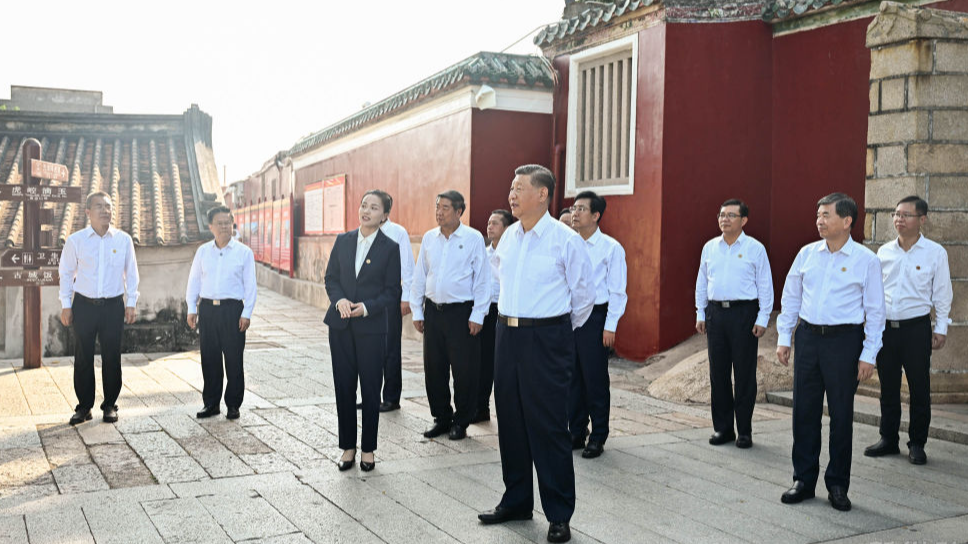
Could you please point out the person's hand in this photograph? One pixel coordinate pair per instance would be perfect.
(192, 320)
(129, 315)
(864, 371)
(344, 307)
(701, 327)
(783, 355)
(759, 331)
(474, 327)
(244, 324)
(608, 339)
(67, 317)
(419, 326)
(356, 309)
(937, 341)
(404, 308)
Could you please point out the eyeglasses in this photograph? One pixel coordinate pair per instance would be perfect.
(580, 209)
(905, 216)
(730, 216)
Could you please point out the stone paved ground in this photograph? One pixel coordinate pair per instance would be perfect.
(161, 476)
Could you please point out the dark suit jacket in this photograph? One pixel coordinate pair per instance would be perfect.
(377, 286)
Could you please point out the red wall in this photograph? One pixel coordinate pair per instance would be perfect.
(500, 142)
(413, 166)
(716, 146)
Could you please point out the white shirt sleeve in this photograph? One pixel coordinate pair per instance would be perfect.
(702, 298)
(194, 288)
(418, 285)
(875, 312)
(764, 289)
(616, 279)
(249, 284)
(482, 284)
(942, 293)
(578, 272)
(406, 266)
(131, 276)
(791, 300)
(67, 270)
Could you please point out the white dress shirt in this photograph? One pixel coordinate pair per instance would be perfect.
(839, 288)
(609, 275)
(915, 280)
(495, 275)
(452, 269)
(98, 266)
(363, 245)
(735, 272)
(545, 272)
(398, 234)
(219, 274)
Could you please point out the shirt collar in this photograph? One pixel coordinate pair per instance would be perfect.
(739, 239)
(594, 238)
(543, 224)
(368, 239)
(386, 224)
(846, 250)
(91, 232)
(458, 232)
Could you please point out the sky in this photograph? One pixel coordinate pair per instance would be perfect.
(268, 73)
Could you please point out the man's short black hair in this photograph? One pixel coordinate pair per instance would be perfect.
(217, 210)
(506, 217)
(744, 210)
(920, 205)
(564, 211)
(455, 198)
(596, 203)
(843, 205)
(540, 177)
(384, 197)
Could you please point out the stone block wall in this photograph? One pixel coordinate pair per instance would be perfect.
(917, 144)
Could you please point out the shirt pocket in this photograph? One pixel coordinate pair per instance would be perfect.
(923, 275)
(116, 258)
(542, 269)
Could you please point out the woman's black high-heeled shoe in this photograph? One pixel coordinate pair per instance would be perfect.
(367, 466)
(346, 465)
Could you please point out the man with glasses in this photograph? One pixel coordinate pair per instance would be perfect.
(734, 298)
(916, 278)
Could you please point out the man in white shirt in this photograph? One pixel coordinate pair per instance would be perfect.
(393, 370)
(834, 290)
(450, 294)
(734, 298)
(499, 221)
(546, 293)
(590, 397)
(221, 296)
(97, 268)
(916, 278)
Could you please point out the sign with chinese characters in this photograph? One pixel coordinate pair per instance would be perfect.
(22, 257)
(334, 205)
(48, 170)
(28, 278)
(41, 193)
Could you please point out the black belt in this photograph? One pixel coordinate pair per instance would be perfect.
(898, 323)
(214, 302)
(600, 307)
(448, 306)
(97, 301)
(533, 322)
(824, 330)
(733, 303)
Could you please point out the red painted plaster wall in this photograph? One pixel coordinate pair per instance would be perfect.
(500, 142)
(716, 147)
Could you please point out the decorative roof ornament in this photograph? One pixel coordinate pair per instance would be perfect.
(781, 9)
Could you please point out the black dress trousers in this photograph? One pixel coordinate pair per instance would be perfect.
(906, 346)
(532, 376)
(450, 347)
(393, 369)
(97, 320)
(824, 363)
(732, 348)
(220, 338)
(356, 357)
(589, 398)
(488, 332)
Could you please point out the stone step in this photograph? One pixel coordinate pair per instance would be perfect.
(950, 427)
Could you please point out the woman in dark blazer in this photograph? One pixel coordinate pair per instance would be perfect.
(363, 283)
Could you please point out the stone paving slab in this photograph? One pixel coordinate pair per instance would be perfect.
(185, 520)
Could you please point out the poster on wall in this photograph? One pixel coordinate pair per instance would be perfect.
(265, 213)
(254, 240)
(276, 233)
(285, 254)
(313, 209)
(240, 223)
(334, 205)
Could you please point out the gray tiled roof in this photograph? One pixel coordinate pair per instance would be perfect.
(781, 9)
(597, 13)
(495, 69)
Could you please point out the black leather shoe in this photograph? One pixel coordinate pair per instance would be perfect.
(838, 498)
(232, 413)
(208, 411)
(389, 406)
(883, 447)
(916, 454)
(721, 438)
(797, 493)
(111, 415)
(80, 416)
(744, 441)
(578, 443)
(501, 514)
(593, 450)
(441, 426)
(457, 432)
(345, 465)
(481, 416)
(367, 466)
(559, 531)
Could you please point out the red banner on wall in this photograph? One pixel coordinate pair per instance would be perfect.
(265, 219)
(285, 245)
(276, 233)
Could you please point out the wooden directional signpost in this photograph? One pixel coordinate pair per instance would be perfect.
(25, 264)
